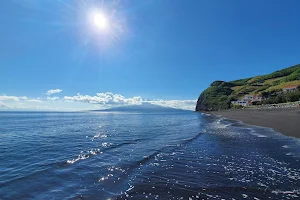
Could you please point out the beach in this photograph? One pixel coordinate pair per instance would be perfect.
(283, 120)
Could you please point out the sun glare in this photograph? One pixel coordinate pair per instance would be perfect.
(103, 25)
(100, 21)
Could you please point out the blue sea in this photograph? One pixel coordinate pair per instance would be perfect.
(176, 155)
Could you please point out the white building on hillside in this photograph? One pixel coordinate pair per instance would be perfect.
(241, 103)
(247, 100)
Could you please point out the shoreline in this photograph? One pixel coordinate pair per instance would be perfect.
(283, 120)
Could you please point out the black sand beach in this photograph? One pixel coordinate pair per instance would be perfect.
(285, 121)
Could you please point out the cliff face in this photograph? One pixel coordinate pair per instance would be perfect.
(220, 93)
(216, 97)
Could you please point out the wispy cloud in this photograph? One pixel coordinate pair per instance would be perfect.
(18, 98)
(53, 91)
(9, 98)
(52, 98)
(35, 100)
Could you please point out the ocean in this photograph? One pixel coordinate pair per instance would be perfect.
(176, 155)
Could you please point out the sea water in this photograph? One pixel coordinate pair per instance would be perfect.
(177, 155)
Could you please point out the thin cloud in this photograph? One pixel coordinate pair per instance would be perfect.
(35, 100)
(52, 98)
(9, 98)
(53, 91)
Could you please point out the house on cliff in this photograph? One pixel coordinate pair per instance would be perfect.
(241, 103)
(247, 100)
(290, 88)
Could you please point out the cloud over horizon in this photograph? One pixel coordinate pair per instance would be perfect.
(107, 98)
(111, 99)
(180, 104)
(101, 100)
(9, 98)
(3, 105)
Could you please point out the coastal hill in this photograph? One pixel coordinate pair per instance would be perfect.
(144, 107)
(270, 86)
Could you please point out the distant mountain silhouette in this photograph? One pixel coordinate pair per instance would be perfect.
(144, 107)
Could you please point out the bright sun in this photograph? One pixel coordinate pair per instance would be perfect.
(100, 21)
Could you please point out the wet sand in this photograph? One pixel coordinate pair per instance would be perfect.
(285, 121)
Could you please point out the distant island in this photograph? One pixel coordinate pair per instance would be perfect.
(278, 87)
(144, 107)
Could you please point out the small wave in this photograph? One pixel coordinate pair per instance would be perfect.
(99, 135)
(114, 168)
(106, 144)
(253, 132)
(219, 120)
(93, 152)
(105, 177)
(190, 139)
(82, 156)
(130, 188)
(289, 193)
(219, 125)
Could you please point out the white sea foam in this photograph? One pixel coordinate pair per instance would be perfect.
(83, 156)
(130, 188)
(114, 168)
(99, 135)
(80, 157)
(105, 177)
(106, 144)
(253, 132)
(219, 125)
(286, 192)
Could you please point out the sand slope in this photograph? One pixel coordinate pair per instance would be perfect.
(285, 121)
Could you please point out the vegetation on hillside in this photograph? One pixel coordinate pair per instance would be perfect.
(215, 97)
(282, 97)
(220, 93)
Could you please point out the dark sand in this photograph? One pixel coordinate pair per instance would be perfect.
(285, 121)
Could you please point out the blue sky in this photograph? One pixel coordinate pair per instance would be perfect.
(163, 51)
